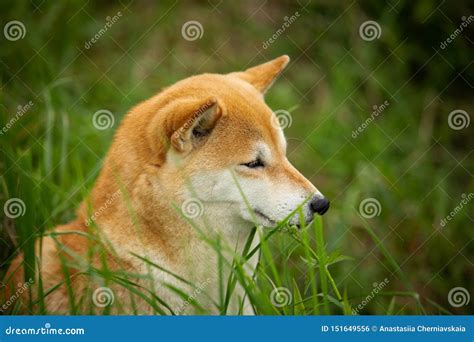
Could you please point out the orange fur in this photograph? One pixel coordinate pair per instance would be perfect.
(138, 168)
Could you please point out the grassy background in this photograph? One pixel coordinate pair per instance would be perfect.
(408, 158)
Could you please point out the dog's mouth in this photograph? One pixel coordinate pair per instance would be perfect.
(264, 217)
(268, 221)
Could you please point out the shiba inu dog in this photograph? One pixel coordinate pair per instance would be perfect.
(207, 150)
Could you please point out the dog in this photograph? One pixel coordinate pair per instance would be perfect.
(206, 148)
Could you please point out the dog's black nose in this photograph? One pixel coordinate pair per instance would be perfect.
(319, 205)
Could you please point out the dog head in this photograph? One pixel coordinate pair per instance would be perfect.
(226, 149)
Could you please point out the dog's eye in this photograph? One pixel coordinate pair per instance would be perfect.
(254, 164)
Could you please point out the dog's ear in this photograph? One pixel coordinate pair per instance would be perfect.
(192, 122)
(262, 76)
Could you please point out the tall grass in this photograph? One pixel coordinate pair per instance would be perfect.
(277, 287)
